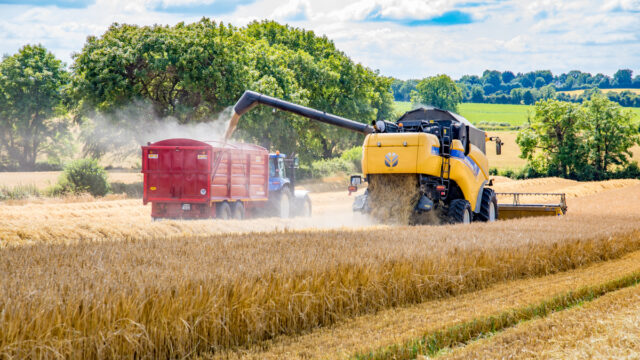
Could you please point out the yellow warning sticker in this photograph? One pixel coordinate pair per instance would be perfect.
(153, 156)
(202, 156)
(152, 188)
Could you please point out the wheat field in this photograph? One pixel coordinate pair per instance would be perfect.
(98, 279)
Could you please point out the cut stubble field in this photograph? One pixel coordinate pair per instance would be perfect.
(95, 279)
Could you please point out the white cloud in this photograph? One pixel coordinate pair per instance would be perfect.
(589, 35)
(396, 9)
(293, 10)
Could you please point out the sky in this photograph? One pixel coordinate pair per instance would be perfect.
(401, 38)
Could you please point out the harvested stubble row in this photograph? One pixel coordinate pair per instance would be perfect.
(190, 295)
(607, 328)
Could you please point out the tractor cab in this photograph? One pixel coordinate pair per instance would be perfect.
(277, 171)
(283, 197)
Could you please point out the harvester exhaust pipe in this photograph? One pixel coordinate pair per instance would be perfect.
(250, 99)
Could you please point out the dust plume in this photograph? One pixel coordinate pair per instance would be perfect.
(123, 131)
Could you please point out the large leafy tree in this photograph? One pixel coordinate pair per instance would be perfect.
(578, 141)
(609, 134)
(192, 72)
(439, 91)
(32, 94)
(552, 143)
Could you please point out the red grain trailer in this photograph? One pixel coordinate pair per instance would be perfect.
(192, 179)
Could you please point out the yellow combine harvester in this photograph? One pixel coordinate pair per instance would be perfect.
(444, 151)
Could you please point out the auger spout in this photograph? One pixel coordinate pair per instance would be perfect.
(250, 99)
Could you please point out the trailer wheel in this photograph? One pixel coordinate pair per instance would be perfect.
(488, 206)
(223, 211)
(238, 210)
(460, 212)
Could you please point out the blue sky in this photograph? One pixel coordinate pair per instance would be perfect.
(401, 38)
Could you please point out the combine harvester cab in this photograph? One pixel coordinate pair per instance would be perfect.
(190, 179)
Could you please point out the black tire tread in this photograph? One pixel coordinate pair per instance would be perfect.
(456, 210)
(488, 196)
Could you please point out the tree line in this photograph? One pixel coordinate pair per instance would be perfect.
(132, 75)
(526, 88)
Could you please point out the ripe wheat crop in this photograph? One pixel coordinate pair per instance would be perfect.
(374, 333)
(161, 290)
(186, 295)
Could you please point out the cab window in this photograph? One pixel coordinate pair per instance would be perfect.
(272, 167)
(283, 172)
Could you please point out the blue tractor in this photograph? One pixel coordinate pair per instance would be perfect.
(284, 200)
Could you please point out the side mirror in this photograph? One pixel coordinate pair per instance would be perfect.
(296, 162)
(354, 182)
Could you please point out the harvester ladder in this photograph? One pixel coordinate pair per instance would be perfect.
(445, 170)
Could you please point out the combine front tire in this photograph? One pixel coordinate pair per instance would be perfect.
(488, 206)
(460, 212)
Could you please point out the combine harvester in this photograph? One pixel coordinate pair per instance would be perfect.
(190, 179)
(444, 152)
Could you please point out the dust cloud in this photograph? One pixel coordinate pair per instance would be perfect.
(122, 132)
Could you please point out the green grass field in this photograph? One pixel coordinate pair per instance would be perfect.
(492, 113)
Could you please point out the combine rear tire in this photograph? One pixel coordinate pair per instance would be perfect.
(460, 212)
(238, 210)
(488, 206)
(223, 211)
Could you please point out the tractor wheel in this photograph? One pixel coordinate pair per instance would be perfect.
(223, 211)
(238, 210)
(488, 206)
(305, 209)
(283, 203)
(460, 212)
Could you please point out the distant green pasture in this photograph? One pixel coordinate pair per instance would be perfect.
(491, 113)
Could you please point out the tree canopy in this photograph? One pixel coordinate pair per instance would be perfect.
(192, 72)
(577, 141)
(33, 86)
(439, 91)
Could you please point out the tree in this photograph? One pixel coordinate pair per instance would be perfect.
(132, 75)
(609, 134)
(492, 77)
(439, 91)
(507, 76)
(528, 98)
(622, 78)
(32, 94)
(577, 141)
(551, 143)
(477, 94)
